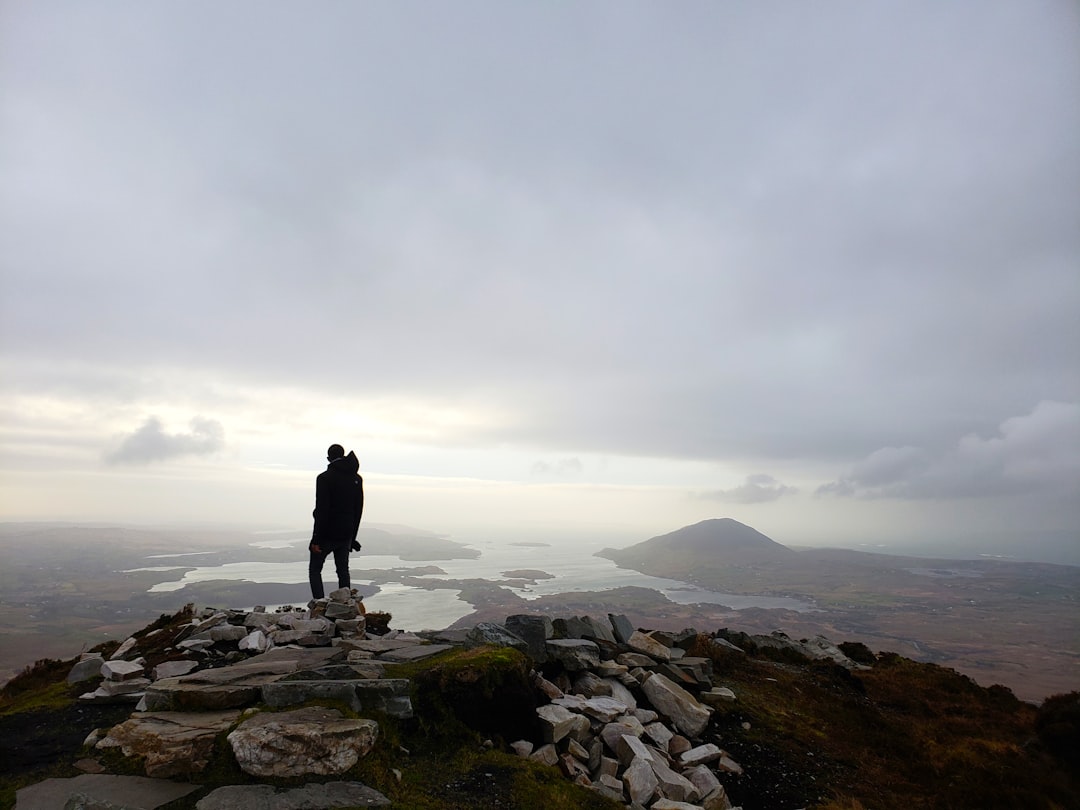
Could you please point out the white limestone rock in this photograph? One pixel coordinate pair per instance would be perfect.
(686, 713)
(649, 646)
(309, 741)
(121, 670)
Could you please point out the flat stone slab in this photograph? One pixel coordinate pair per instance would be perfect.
(389, 695)
(266, 797)
(236, 685)
(378, 646)
(414, 652)
(129, 792)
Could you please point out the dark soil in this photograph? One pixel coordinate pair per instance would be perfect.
(31, 741)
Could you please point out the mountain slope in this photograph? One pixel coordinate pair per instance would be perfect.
(718, 541)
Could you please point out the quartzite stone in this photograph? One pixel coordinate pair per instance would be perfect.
(121, 670)
(604, 709)
(174, 669)
(703, 778)
(546, 754)
(173, 743)
(612, 732)
(88, 667)
(414, 652)
(388, 695)
(640, 781)
(309, 741)
(336, 610)
(673, 785)
(621, 626)
(591, 685)
(535, 630)
(646, 644)
(123, 649)
(687, 715)
(702, 755)
(235, 685)
(670, 804)
(555, 722)
(574, 654)
(660, 735)
(717, 799)
(496, 635)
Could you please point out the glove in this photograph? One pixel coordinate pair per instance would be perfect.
(354, 546)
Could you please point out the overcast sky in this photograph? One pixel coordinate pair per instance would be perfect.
(607, 265)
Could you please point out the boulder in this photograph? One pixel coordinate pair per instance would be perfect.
(673, 785)
(255, 641)
(583, 627)
(89, 666)
(604, 709)
(121, 670)
(621, 693)
(621, 627)
(647, 645)
(555, 722)
(174, 669)
(495, 635)
(717, 799)
(591, 685)
(640, 782)
(336, 610)
(390, 695)
(613, 732)
(123, 650)
(717, 696)
(309, 741)
(684, 711)
(545, 754)
(235, 685)
(671, 804)
(703, 779)
(574, 654)
(630, 747)
(172, 743)
(702, 755)
(534, 630)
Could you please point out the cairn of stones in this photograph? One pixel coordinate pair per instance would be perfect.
(619, 710)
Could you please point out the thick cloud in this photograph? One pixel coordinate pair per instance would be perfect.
(759, 488)
(1036, 452)
(152, 443)
(723, 235)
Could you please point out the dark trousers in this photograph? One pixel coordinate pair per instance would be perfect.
(315, 566)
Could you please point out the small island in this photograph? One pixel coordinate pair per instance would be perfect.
(527, 573)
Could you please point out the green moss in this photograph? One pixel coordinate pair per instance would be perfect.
(49, 697)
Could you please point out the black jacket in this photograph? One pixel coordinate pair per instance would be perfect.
(339, 503)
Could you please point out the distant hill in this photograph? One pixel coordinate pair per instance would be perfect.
(720, 540)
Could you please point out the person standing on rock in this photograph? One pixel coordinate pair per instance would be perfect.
(339, 503)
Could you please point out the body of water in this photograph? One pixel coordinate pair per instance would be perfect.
(572, 568)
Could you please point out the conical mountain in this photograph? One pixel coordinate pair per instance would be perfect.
(710, 541)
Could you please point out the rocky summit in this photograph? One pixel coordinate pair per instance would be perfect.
(327, 707)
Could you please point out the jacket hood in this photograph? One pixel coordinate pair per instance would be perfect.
(349, 463)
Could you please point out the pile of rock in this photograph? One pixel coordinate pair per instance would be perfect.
(623, 711)
(216, 638)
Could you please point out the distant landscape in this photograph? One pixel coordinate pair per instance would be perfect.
(66, 588)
